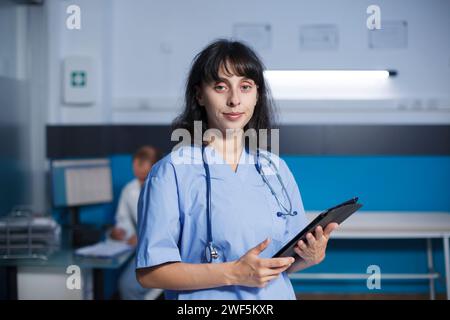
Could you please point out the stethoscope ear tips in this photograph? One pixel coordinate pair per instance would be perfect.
(280, 214)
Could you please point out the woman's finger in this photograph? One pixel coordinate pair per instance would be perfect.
(264, 272)
(319, 233)
(277, 262)
(299, 251)
(275, 271)
(302, 245)
(260, 247)
(269, 278)
(311, 240)
(329, 229)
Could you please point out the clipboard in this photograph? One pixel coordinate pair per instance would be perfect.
(104, 250)
(335, 214)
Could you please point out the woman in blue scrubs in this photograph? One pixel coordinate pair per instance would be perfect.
(226, 93)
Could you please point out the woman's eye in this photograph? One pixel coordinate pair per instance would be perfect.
(246, 87)
(220, 88)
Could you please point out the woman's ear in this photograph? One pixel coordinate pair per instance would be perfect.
(199, 96)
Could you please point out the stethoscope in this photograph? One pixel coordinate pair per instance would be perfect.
(210, 249)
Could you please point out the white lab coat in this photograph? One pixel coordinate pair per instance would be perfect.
(126, 213)
(126, 219)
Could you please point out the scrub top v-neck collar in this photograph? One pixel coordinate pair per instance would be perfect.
(219, 168)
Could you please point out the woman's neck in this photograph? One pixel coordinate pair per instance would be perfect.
(230, 147)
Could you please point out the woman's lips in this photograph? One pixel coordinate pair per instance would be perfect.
(233, 116)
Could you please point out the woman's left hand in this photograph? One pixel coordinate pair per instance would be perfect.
(313, 252)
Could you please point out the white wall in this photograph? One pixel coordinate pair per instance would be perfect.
(143, 50)
(92, 40)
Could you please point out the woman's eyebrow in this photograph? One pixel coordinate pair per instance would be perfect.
(241, 80)
(248, 79)
(223, 80)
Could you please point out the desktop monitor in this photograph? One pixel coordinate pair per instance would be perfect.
(81, 182)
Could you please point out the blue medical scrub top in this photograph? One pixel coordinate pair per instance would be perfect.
(172, 219)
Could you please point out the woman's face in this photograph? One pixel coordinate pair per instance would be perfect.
(230, 102)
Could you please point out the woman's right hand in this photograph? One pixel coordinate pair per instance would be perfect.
(252, 271)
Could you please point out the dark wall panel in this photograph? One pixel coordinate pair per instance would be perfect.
(101, 140)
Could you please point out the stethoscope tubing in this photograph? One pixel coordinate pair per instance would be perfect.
(210, 250)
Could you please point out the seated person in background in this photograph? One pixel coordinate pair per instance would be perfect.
(126, 221)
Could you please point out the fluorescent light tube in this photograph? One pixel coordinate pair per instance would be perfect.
(316, 84)
(326, 75)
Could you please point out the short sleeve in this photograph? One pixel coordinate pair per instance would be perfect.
(158, 218)
(299, 221)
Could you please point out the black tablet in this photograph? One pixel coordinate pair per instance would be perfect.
(335, 214)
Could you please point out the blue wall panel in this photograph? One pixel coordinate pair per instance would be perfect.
(383, 183)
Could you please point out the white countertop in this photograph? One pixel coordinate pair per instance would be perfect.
(386, 224)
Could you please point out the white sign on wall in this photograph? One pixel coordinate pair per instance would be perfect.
(79, 81)
(392, 35)
(317, 37)
(258, 36)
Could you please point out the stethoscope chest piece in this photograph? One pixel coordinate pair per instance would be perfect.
(211, 252)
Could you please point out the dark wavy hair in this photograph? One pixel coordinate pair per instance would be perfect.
(205, 68)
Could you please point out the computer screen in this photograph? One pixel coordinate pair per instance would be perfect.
(81, 182)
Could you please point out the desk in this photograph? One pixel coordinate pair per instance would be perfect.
(394, 225)
(64, 258)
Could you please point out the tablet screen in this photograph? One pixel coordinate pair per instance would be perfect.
(335, 214)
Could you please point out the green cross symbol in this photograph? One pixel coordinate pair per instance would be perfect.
(78, 78)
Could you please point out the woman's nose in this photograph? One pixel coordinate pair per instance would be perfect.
(233, 99)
